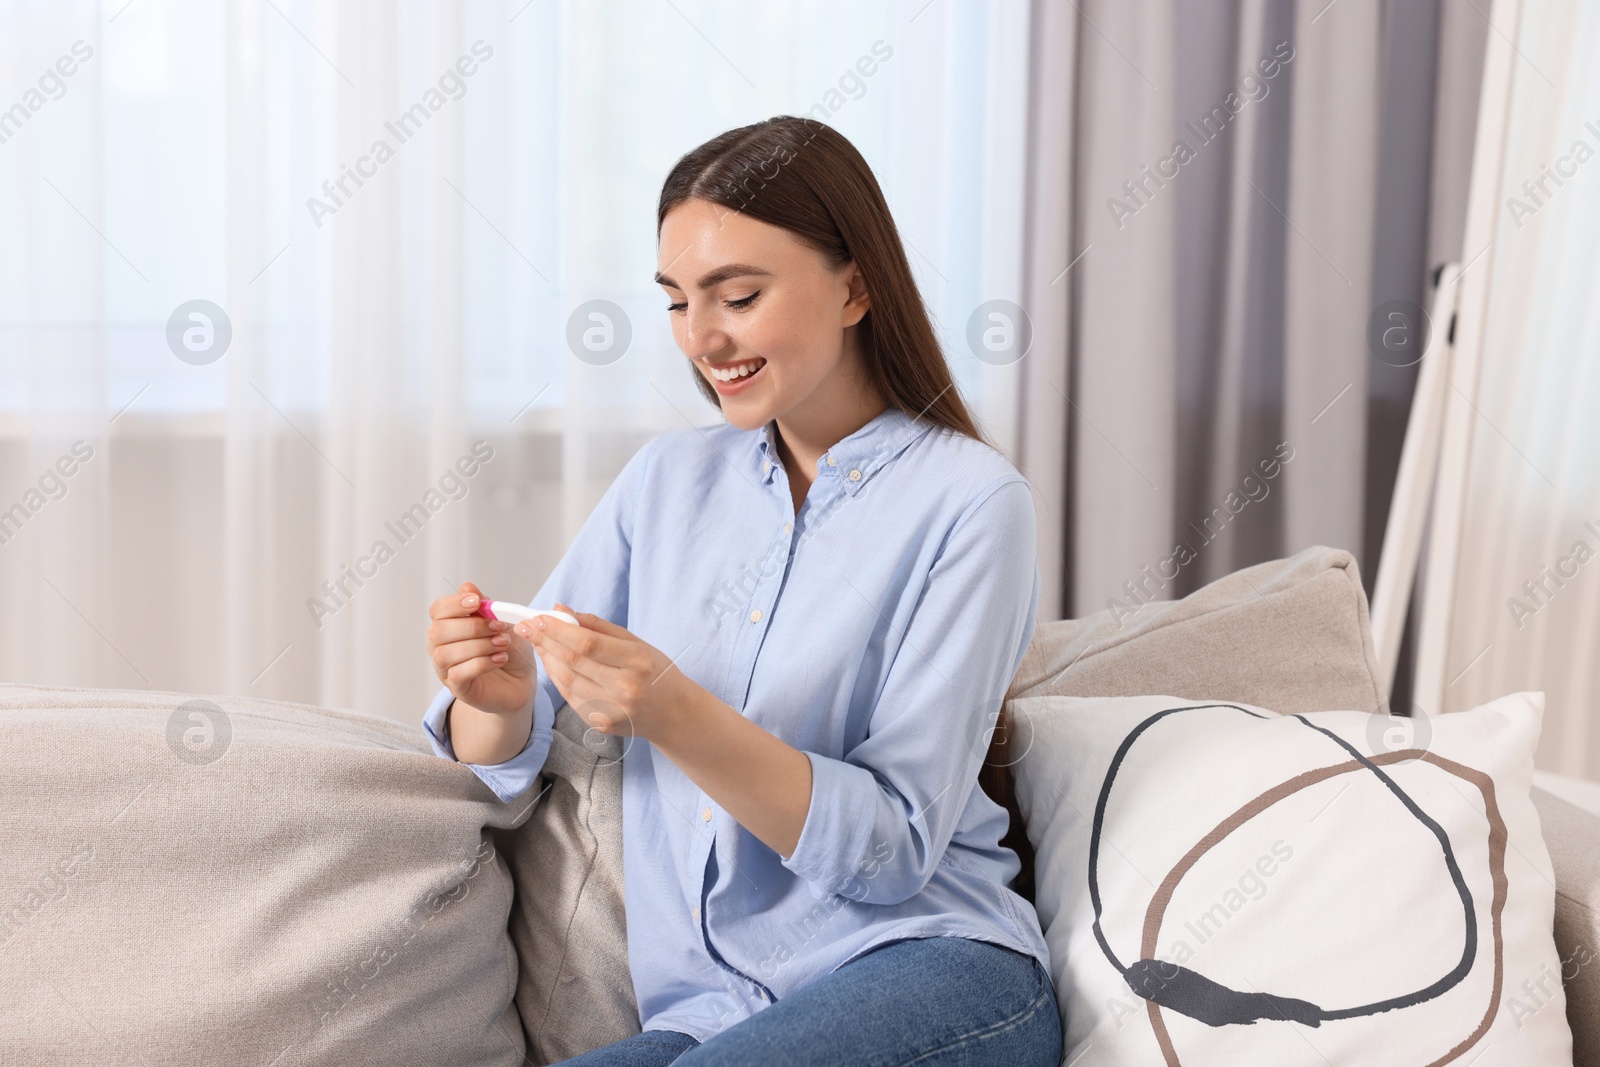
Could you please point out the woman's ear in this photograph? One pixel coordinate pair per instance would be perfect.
(858, 301)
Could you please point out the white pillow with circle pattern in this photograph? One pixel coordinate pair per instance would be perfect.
(1220, 884)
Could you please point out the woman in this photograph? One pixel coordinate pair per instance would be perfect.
(825, 601)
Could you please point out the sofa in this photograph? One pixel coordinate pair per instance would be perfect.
(190, 879)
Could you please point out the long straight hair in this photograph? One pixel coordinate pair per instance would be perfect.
(806, 177)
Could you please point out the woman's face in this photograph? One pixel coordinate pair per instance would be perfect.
(745, 295)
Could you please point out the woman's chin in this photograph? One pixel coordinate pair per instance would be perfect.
(750, 409)
(744, 416)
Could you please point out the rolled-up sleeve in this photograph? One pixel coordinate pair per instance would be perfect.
(512, 778)
(880, 819)
(592, 577)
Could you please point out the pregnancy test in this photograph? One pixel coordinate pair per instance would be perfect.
(507, 611)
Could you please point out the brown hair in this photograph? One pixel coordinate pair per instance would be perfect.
(806, 177)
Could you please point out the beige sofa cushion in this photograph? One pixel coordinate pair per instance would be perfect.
(1573, 837)
(1288, 634)
(278, 884)
(575, 992)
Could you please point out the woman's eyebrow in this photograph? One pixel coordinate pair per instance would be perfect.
(721, 274)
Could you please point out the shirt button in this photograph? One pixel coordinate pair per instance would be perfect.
(755, 616)
(831, 462)
(855, 476)
(696, 913)
(705, 816)
(766, 465)
(788, 526)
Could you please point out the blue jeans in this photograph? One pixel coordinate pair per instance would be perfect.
(929, 1001)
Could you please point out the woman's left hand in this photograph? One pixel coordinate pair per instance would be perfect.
(616, 683)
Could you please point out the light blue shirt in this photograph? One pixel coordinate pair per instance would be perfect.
(877, 631)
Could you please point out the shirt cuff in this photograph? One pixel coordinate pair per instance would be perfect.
(831, 851)
(516, 775)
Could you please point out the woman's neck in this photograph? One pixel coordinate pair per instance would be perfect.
(846, 401)
(801, 442)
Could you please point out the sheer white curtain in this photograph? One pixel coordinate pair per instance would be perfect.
(399, 213)
(1526, 610)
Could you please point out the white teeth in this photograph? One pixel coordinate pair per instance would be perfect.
(738, 371)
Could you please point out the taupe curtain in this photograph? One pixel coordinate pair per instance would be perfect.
(1222, 194)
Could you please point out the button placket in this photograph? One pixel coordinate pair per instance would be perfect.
(704, 842)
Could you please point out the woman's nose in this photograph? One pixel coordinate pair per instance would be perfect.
(702, 336)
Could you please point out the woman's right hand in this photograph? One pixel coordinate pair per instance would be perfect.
(480, 660)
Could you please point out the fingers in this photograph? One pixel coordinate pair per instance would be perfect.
(460, 674)
(448, 656)
(570, 670)
(584, 642)
(598, 624)
(444, 631)
(454, 639)
(582, 692)
(463, 602)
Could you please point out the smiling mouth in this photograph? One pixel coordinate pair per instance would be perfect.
(734, 372)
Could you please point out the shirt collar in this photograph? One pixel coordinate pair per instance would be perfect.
(855, 459)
